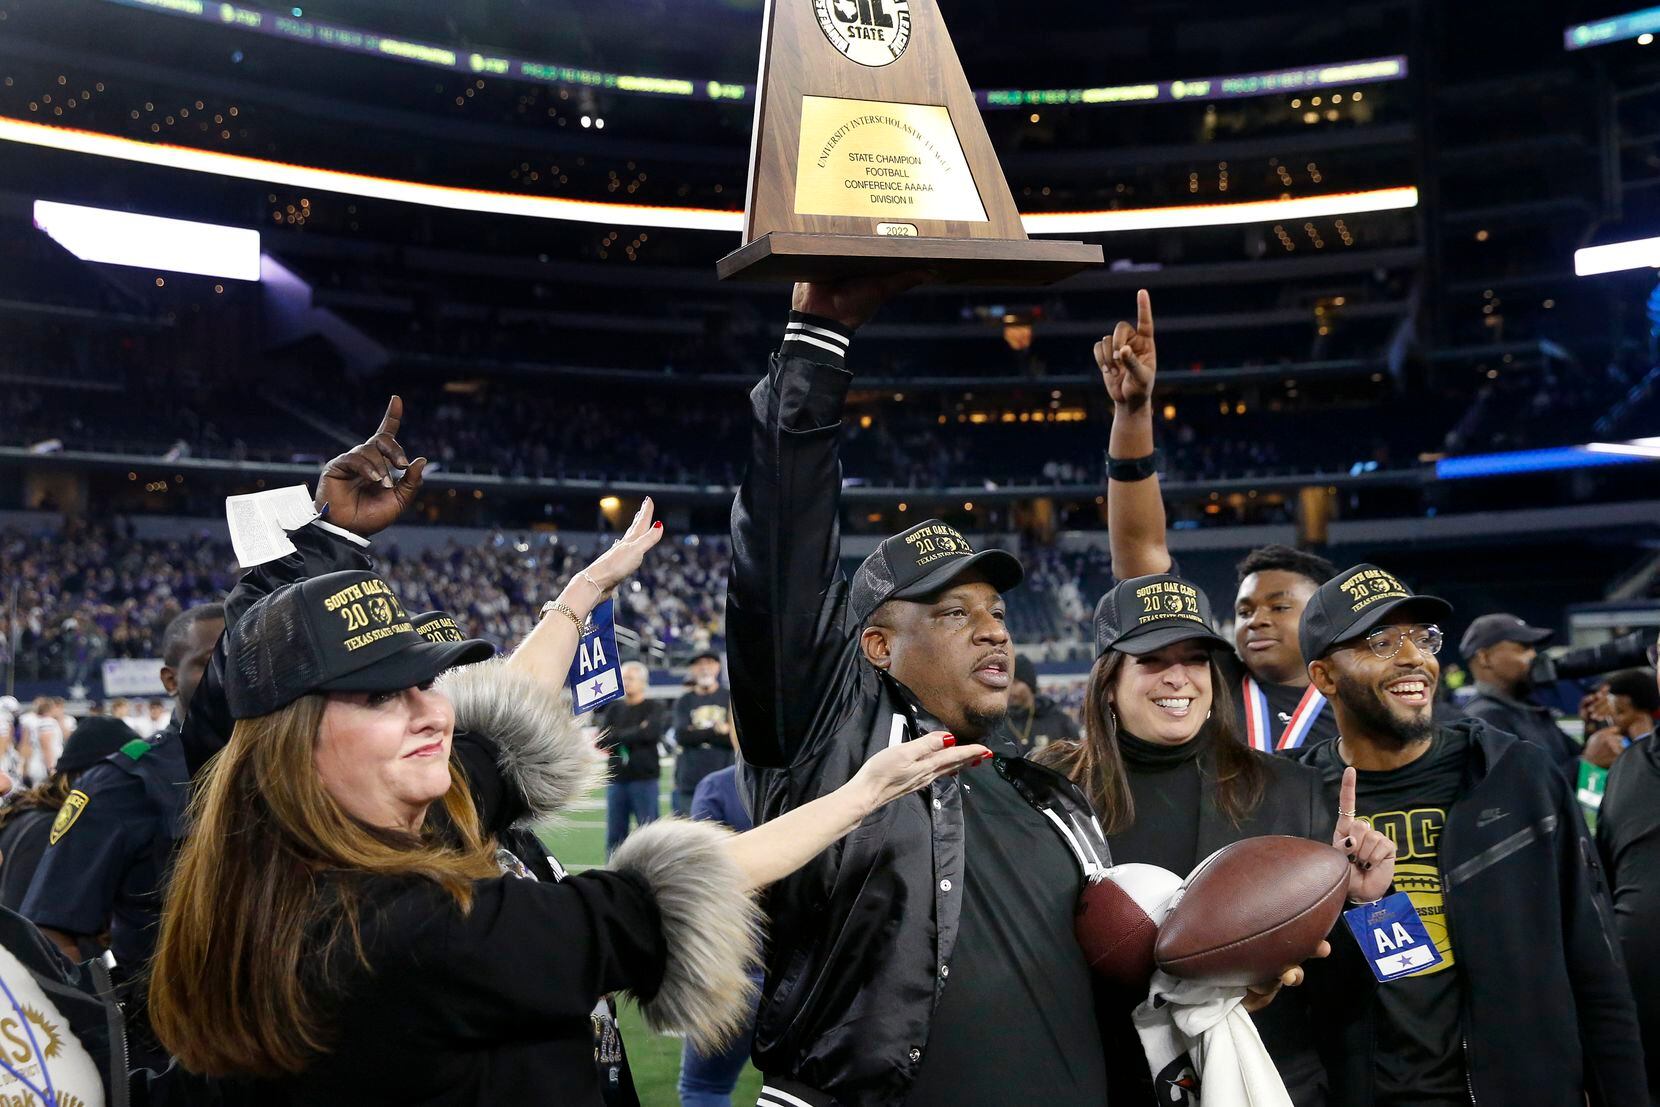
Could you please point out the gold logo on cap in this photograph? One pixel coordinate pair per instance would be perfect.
(1369, 586)
(932, 541)
(441, 629)
(1168, 599)
(362, 604)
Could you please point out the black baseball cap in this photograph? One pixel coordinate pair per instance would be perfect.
(340, 632)
(1357, 600)
(1490, 630)
(1025, 671)
(922, 561)
(1143, 614)
(93, 739)
(437, 626)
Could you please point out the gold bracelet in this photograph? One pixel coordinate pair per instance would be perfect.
(563, 609)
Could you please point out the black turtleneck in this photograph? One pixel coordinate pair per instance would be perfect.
(1165, 782)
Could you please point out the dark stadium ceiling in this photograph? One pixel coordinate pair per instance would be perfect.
(1001, 44)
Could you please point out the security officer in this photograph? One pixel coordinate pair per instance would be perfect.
(1499, 649)
(108, 850)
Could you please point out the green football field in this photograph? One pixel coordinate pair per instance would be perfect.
(578, 842)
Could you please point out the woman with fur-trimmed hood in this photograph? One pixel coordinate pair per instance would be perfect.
(339, 928)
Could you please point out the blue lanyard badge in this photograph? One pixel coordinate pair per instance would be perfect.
(596, 672)
(1392, 937)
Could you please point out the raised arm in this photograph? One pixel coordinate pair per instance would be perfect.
(547, 651)
(1135, 507)
(359, 494)
(779, 847)
(786, 597)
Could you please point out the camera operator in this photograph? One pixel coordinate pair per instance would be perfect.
(1501, 651)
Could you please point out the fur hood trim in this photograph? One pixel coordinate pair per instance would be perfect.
(540, 747)
(711, 926)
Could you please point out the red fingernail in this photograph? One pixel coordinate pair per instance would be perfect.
(949, 740)
(984, 758)
(657, 526)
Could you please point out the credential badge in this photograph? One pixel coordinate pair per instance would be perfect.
(870, 32)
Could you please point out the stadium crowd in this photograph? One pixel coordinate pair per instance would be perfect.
(1322, 715)
(84, 593)
(933, 440)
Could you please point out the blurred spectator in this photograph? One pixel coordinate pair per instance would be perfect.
(1627, 702)
(702, 730)
(1034, 721)
(630, 730)
(41, 732)
(1500, 649)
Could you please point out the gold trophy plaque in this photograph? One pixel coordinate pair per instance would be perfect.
(869, 156)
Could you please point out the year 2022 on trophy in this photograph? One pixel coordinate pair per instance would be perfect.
(869, 156)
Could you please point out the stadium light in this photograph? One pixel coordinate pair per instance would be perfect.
(1591, 455)
(1639, 253)
(1618, 28)
(642, 215)
(1638, 447)
(150, 241)
(1219, 215)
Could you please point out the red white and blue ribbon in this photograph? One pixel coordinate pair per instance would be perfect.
(1259, 720)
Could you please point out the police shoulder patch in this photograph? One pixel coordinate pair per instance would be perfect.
(67, 814)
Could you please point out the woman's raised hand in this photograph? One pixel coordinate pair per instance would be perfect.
(910, 766)
(623, 559)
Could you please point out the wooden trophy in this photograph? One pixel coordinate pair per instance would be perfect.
(869, 156)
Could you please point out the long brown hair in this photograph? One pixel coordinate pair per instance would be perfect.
(48, 795)
(256, 910)
(1096, 764)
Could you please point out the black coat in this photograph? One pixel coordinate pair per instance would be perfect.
(1628, 837)
(504, 1022)
(1528, 721)
(1296, 802)
(1547, 1016)
(857, 936)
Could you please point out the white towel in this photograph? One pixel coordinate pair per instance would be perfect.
(1203, 1049)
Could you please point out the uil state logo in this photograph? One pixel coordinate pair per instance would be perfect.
(870, 32)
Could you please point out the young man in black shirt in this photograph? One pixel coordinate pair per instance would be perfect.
(1279, 710)
(1628, 837)
(702, 730)
(1530, 1004)
(630, 730)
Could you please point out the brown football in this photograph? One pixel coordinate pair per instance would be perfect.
(1252, 910)
(1116, 924)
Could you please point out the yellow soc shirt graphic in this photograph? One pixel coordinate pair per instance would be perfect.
(1417, 837)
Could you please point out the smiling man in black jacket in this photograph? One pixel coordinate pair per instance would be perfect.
(1530, 1004)
(929, 958)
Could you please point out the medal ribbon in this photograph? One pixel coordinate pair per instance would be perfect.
(1259, 723)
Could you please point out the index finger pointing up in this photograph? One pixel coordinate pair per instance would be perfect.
(1144, 313)
(393, 418)
(1346, 798)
